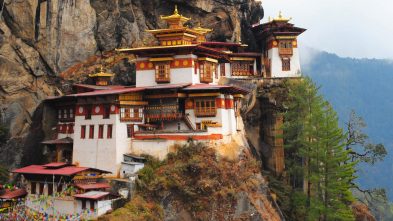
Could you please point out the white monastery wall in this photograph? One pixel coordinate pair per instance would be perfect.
(277, 64)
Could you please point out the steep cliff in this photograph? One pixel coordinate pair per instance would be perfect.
(40, 39)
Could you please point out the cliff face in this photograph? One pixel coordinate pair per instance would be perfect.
(39, 39)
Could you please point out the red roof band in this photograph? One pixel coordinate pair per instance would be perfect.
(13, 194)
(64, 171)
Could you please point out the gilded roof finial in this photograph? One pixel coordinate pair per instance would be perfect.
(176, 12)
(281, 18)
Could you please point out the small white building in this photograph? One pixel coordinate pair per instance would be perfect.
(278, 39)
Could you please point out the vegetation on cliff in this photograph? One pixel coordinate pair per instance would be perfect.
(319, 169)
(196, 184)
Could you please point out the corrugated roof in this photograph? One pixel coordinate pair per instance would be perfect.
(13, 194)
(56, 165)
(167, 86)
(231, 89)
(67, 140)
(89, 186)
(65, 171)
(94, 195)
(97, 87)
(107, 92)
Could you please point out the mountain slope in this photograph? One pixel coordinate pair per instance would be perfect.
(363, 85)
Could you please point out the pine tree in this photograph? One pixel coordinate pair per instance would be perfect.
(315, 153)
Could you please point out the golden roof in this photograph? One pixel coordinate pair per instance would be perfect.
(280, 18)
(175, 16)
(202, 30)
(101, 74)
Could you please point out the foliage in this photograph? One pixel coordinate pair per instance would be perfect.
(357, 142)
(196, 180)
(316, 156)
(138, 209)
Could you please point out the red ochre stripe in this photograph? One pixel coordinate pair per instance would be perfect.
(179, 137)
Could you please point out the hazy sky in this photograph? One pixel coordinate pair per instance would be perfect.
(353, 28)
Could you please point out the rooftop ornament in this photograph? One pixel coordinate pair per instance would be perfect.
(280, 18)
(101, 73)
(176, 19)
(202, 30)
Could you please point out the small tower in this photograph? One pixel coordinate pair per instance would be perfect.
(278, 39)
(178, 34)
(101, 78)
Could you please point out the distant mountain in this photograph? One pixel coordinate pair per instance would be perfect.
(366, 86)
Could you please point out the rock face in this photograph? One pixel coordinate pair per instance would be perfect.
(40, 39)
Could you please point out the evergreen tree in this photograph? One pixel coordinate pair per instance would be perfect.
(315, 154)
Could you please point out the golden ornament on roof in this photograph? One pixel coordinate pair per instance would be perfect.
(175, 16)
(281, 18)
(202, 30)
(101, 73)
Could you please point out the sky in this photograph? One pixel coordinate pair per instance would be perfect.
(349, 28)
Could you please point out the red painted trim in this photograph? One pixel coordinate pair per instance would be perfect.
(178, 137)
(229, 104)
(77, 113)
(100, 111)
(220, 103)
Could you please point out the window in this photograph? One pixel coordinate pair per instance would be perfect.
(205, 107)
(242, 68)
(33, 187)
(222, 69)
(59, 188)
(129, 113)
(88, 112)
(100, 131)
(162, 72)
(285, 48)
(59, 115)
(71, 113)
(286, 64)
(91, 132)
(207, 70)
(83, 132)
(65, 114)
(130, 130)
(50, 188)
(83, 204)
(285, 44)
(91, 205)
(109, 131)
(107, 112)
(41, 188)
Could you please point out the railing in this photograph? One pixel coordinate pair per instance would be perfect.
(285, 51)
(134, 119)
(164, 116)
(205, 113)
(243, 73)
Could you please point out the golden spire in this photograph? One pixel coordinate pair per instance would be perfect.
(281, 18)
(175, 17)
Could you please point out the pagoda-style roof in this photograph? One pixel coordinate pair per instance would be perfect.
(175, 19)
(279, 26)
